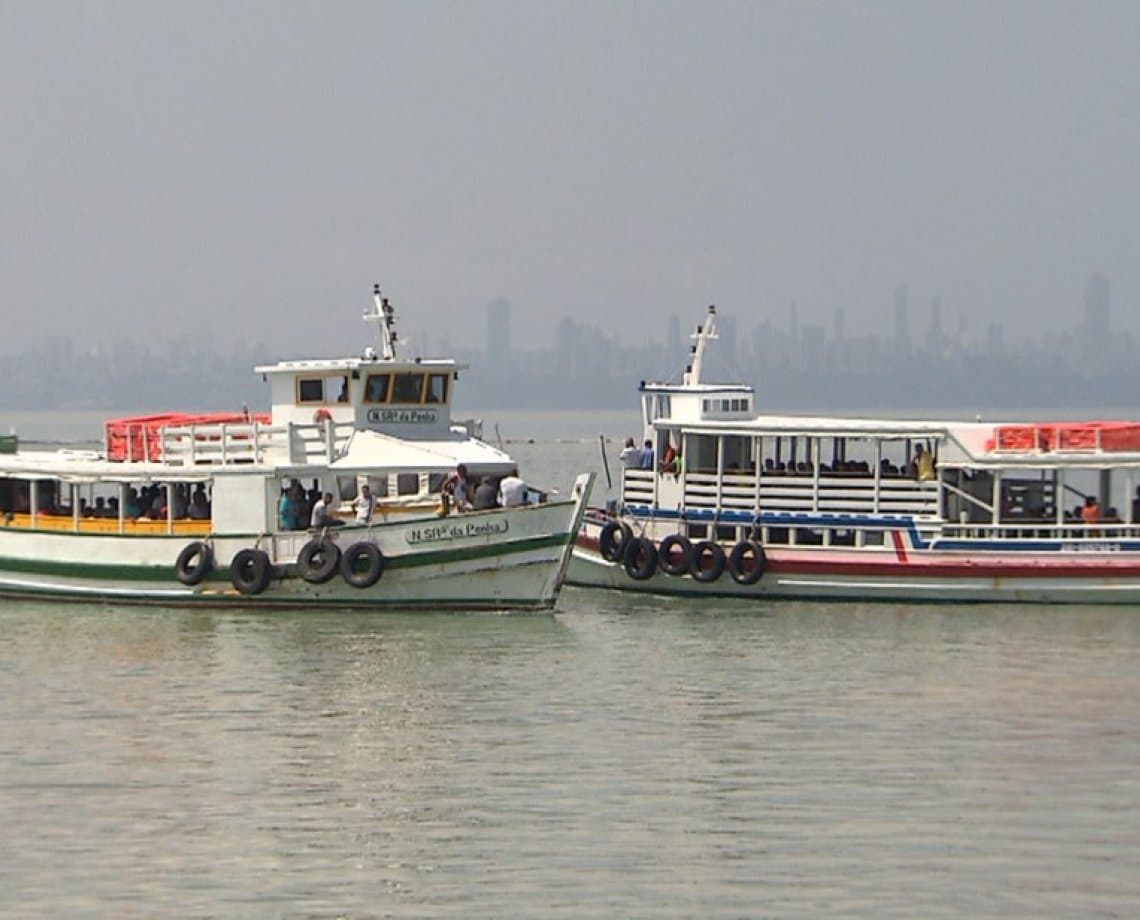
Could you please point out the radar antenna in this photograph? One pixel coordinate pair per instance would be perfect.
(383, 314)
(704, 334)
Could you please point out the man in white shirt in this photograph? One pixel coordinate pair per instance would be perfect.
(512, 490)
(363, 505)
(322, 513)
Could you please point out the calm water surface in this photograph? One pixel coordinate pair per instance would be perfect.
(623, 756)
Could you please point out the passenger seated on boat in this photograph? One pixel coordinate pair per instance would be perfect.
(199, 507)
(769, 466)
(1090, 514)
(100, 509)
(671, 462)
(458, 488)
(289, 506)
(486, 494)
(131, 509)
(512, 490)
(922, 467)
(113, 507)
(323, 513)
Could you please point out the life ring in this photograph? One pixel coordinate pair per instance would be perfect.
(639, 559)
(250, 571)
(708, 561)
(370, 554)
(612, 549)
(318, 560)
(737, 558)
(194, 562)
(667, 558)
(321, 416)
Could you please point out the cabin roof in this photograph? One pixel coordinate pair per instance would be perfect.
(375, 450)
(349, 364)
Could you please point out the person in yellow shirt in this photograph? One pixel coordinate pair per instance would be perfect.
(923, 464)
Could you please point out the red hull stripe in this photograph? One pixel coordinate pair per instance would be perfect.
(917, 567)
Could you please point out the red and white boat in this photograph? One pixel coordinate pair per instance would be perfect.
(781, 506)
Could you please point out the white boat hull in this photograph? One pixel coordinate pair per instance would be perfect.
(502, 559)
(828, 574)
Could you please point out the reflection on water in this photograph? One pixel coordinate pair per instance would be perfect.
(625, 756)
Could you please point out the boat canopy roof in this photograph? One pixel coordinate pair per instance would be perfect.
(373, 450)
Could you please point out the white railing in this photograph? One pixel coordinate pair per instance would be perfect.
(252, 442)
(737, 491)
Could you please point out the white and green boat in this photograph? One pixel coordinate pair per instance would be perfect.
(189, 509)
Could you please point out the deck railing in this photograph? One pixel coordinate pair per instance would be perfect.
(841, 494)
(246, 442)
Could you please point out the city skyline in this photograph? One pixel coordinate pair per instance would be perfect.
(916, 358)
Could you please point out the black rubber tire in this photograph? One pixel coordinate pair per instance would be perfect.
(194, 563)
(706, 549)
(640, 559)
(250, 571)
(352, 557)
(736, 560)
(665, 559)
(318, 561)
(614, 550)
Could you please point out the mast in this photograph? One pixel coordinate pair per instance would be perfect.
(704, 334)
(384, 316)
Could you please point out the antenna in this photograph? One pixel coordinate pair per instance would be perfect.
(383, 314)
(704, 334)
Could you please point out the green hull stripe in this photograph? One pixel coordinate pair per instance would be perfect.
(270, 601)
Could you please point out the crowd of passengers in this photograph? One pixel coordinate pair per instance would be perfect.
(141, 504)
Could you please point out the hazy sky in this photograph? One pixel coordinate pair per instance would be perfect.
(244, 171)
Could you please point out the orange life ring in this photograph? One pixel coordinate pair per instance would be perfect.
(321, 415)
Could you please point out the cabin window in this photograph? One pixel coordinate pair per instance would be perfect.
(407, 388)
(407, 483)
(738, 454)
(436, 388)
(310, 389)
(376, 388)
(700, 453)
(436, 481)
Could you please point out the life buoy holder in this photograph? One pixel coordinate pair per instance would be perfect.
(675, 554)
(639, 558)
(350, 565)
(194, 563)
(708, 561)
(321, 416)
(250, 571)
(614, 539)
(318, 560)
(746, 562)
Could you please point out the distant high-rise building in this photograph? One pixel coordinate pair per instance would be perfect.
(499, 330)
(674, 350)
(1096, 322)
(726, 332)
(934, 337)
(902, 321)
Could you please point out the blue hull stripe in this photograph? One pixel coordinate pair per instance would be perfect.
(874, 522)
